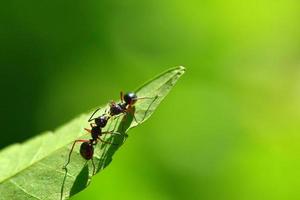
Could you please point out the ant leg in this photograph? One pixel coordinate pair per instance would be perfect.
(105, 142)
(130, 111)
(124, 113)
(92, 126)
(111, 132)
(154, 98)
(117, 121)
(112, 102)
(122, 96)
(94, 168)
(88, 130)
(105, 111)
(69, 157)
(117, 116)
(135, 119)
(93, 115)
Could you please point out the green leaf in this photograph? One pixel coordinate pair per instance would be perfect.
(34, 169)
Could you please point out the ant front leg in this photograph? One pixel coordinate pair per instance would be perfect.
(94, 168)
(131, 110)
(88, 130)
(105, 142)
(69, 157)
(125, 113)
(116, 122)
(146, 112)
(109, 132)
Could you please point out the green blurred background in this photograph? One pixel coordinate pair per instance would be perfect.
(229, 129)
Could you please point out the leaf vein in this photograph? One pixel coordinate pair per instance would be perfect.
(23, 189)
(46, 166)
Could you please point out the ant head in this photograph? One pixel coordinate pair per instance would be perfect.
(87, 150)
(130, 98)
(101, 121)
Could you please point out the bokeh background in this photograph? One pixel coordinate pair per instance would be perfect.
(229, 129)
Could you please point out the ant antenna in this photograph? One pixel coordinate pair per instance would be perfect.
(154, 99)
(94, 168)
(93, 114)
(69, 157)
(122, 96)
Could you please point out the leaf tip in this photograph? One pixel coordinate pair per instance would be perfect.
(181, 70)
(181, 67)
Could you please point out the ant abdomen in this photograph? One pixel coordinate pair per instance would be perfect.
(87, 150)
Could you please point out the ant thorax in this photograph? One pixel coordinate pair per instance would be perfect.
(96, 132)
(116, 109)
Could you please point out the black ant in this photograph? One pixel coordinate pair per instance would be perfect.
(126, 104)
(87, 146)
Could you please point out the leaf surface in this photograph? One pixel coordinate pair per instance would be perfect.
(34, 169)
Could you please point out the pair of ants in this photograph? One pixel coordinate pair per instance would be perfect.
(115, 109)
